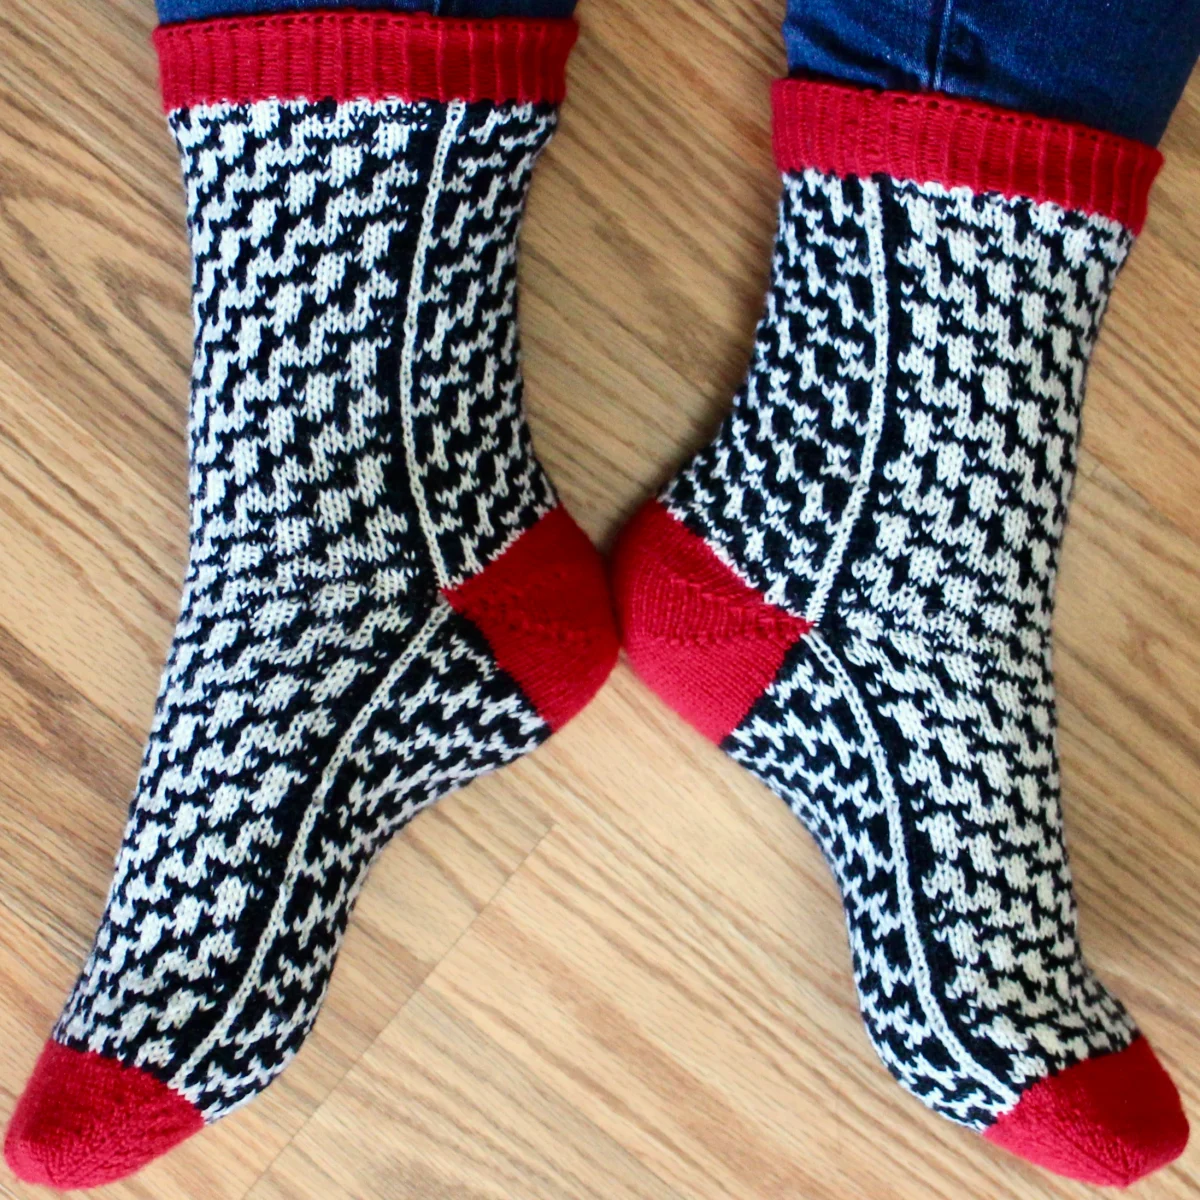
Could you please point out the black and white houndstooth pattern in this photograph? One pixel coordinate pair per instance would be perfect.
(897, 470)
(357, 445)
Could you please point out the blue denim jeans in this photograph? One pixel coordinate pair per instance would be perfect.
(1117, 65)
(197, 10)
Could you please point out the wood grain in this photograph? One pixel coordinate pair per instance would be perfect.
(616, 969)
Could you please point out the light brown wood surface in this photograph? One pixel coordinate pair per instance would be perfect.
(617, 969)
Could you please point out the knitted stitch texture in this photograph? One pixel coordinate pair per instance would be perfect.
(383, 598)
(851, 589)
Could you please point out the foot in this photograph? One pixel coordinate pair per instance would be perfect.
(384, 597)
(850, 591)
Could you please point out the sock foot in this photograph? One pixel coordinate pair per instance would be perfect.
(85, 1120)
(1109, 1120)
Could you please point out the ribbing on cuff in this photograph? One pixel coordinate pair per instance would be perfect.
(939, 139)
(347, 55)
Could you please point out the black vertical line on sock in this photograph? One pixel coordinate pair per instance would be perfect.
(861, 542)
(401, 262)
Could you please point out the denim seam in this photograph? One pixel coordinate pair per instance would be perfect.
(938, 72)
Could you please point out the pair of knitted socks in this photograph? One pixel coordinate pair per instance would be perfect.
(850, 589)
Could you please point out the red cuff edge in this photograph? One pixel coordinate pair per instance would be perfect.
(348, 55)
(940, 139)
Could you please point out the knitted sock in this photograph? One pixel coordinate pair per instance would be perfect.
(850, 590)
(384, 598)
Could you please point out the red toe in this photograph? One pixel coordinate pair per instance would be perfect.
(85, 1120)
(1107, 1120)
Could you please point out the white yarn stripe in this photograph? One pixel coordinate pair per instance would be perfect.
(296, 857)
(922, 980)
(454, 117)
(873, 227)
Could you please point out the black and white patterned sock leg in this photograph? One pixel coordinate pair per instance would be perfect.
(851, 589)
(384, 598)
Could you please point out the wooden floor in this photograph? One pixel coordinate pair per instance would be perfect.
(617, 969)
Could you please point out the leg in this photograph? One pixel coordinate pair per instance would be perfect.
(384, 597)
(851, 589)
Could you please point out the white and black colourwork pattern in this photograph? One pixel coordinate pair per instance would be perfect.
(896, 470)
(357, 446)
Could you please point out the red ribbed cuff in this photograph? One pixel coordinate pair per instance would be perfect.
(348, 55)
(957, 143)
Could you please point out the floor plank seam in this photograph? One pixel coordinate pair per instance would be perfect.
(399, 1011)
